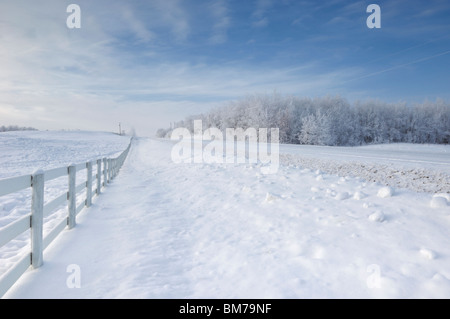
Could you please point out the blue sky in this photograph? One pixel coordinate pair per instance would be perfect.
(146, 63)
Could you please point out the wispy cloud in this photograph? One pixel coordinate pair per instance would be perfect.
(220, 14)
(137, 26)
(259, 14)
(151, 61)
(171, 14)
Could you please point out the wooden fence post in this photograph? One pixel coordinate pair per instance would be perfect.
(37, 219)
(89, 184)
(109, 170)
(99, 176)
(71, 221)
(105, 172)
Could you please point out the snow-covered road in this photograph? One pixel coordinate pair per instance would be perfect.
(165, 230)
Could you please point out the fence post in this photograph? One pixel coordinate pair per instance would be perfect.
(105, 172)
(111, 162)
(71, 221)
(89, 184)
(109, 170)
(99, 176)
(37, 219)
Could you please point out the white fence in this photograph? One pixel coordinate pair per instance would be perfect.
(106, 170)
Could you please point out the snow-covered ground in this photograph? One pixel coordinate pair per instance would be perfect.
(165, 230)
(23, 152)
(422, 168)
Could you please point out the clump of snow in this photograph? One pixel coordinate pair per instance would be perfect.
(368, 205)
(427, 253)
(270, 198)
(342, 195)
(385, 192)
(318, 252)
(438, 202)
(377, 216)
(359, 195)
(444, 195)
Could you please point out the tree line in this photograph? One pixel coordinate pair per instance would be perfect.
(331, 121)
(4, 128)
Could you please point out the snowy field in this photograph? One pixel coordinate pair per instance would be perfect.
(23, 152)
(316, 229)
(422, 168)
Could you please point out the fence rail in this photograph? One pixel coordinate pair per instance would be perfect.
(107, 169)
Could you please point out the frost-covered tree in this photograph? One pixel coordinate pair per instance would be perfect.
(332, 120)
(310, 131)
(15, 128)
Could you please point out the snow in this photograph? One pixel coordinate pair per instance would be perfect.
(427, 253)
(377, 216)
(166, 230)
(24, 152)
(385, 192)
(423, 168)
(437, 202)
(28, 152)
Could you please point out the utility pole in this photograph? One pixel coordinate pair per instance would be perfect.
(120, 129)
